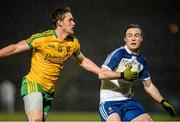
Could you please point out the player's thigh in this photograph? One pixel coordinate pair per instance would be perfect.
(142, 118)
(109, 111)
(114, 117)
(33, 104)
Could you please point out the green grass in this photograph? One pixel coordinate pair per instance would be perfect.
(76, 116)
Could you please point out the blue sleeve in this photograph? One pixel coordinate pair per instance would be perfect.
(144, 74)
(113, 59)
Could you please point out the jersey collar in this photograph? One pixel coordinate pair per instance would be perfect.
(55, 33)
(130, 52)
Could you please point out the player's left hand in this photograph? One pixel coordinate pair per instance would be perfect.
(168, 107)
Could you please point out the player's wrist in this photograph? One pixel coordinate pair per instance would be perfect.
(162, 101)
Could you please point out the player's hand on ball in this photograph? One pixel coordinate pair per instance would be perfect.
(168, 107)
(129, 75)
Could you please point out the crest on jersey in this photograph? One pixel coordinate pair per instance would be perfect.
(109, 109)
(51, 46)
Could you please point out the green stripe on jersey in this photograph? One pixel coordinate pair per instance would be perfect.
(39, 35)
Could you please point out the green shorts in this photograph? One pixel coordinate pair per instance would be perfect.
(29, 87)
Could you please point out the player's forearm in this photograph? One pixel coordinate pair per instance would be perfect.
(153, 91)
(6, 51)
(14, 48)
(90, 66)
(107, 74)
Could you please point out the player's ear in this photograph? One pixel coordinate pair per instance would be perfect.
(125, 39)
(59, 23)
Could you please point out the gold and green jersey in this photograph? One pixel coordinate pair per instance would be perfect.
(48, 57)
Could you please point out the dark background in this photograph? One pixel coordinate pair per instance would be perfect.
(99, 27)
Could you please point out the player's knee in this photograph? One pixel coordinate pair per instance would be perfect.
(36, 119)
(35, 116)
(149, 119)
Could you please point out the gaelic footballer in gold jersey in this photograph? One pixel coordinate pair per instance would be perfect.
(49, 56)
(51, 49)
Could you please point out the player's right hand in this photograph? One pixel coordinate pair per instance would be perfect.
(129, 75)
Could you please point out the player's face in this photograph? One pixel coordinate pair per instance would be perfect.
(133, 39)
(68, 24)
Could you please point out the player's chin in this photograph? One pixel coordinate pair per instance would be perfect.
(134, 46)
(71, 32)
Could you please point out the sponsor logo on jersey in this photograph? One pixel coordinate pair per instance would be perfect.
(55, 59)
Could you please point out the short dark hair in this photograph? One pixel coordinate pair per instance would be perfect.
(133, 26)
(58, 14)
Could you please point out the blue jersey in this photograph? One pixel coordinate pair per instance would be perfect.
(118, 60)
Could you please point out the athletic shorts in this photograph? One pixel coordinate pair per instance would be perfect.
(127, 109)
(29, 87)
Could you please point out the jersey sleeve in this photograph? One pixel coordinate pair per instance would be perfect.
(144, 74)
(77, 50)
(113, 59)
(34, 40)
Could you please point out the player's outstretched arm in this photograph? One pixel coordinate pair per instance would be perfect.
(87, 64)
(106, 73)
(127, 74)
(14, 48)
(153, 91)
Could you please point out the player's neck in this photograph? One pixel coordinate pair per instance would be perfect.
(132, 51)
(135, 52)
(60, 34)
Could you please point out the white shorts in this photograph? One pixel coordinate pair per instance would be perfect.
(32, 101)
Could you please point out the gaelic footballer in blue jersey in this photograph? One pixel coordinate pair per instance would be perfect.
(120, 69)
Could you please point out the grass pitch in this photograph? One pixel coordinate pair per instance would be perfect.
(76, 116)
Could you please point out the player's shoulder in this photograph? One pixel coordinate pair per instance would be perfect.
(142, 58)
(39, 37)
(117, 54)
(119, 51)
(43, 34)
(49, 32)
(73, 38)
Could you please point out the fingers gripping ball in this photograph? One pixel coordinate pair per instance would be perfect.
(168, 107)
(128, 74)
